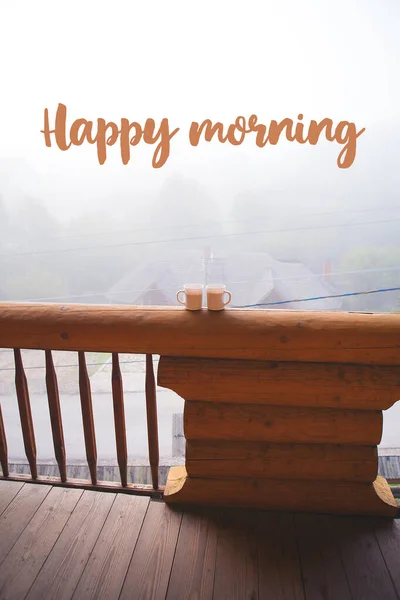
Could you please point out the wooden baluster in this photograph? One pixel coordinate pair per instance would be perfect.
(152, 428)
(3, 447)
(87, 417)
(25, 413)
(55, 415)
(119, 419)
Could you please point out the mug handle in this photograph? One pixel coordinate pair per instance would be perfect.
(177, 297)
(229, 298)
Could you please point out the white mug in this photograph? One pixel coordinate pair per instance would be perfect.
(193, 293)
(216, 293)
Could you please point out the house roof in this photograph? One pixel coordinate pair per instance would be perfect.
(250, 277)
(167, 275)
(295, 280)
(389, 467)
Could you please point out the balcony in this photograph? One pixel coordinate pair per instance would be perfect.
(279, 496)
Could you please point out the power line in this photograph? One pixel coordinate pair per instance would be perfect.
(204, 223)
(201, 237)
(394, 289)
(244, 281)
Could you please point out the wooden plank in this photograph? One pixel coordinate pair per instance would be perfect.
(119, 419)
(388, 536)
(84, 484)
(55, 415)
(151, 564)
(303, 336)
(18, 514)
(193, 569)
(279, 569)
(19, 569)
(67, 560)
(366, 570)
(3, 447)
(340, 497)
(8, 490)
(152, 426)
(25, 413)
(87, 417)
(288, 424)
(105, 571)
(373, 387)
(206, 458)
(236, 569)
(324, 575)
(228, 450)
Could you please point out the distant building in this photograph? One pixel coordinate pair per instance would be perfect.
(254, 278)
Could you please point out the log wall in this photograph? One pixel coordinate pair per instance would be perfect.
(290, 436)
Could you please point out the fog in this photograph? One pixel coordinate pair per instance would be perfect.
(71, 228)
(280, 225)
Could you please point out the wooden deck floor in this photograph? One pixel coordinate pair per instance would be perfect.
(68, 543)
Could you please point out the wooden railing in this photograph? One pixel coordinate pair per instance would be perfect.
(28, 432)
(13, 318)
(283, 410)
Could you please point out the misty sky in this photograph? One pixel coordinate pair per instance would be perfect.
(191, 61)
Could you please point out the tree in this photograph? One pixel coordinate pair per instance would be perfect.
(33, 283)
(381, 270)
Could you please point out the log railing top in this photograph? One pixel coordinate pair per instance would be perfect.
(249, 334)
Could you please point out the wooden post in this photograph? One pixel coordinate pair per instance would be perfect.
(119, 419)
(3, 447)
(55, 415)
(152, 427)
(25, 413)
(87, 417)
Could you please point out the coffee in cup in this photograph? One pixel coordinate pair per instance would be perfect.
(216, 296)
(192, 296)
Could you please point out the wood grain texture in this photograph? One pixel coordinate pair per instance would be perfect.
(152, 422)
(324, 575)
(373, 387)
(193, 569)
(61, 572)
(18, 514)
(151, 564)
(279, 568)
(252, 334)
(3, 447)
(281, 461)
(246, 553)
(105, 571)
(365, 567)
(388, 536)
(236, 568)
(119, 419)
(25, 413)
(87, 417)
(55, 415)
(288, 424)
(19, 569)
(277, 494)
(8, 490)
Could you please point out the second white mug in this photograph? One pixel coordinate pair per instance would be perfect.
(216, 296)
